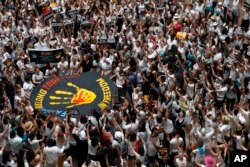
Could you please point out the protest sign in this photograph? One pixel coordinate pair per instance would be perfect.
(44, 56)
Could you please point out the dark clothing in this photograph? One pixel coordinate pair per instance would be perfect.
(81, 150)
(86, 66)
(180, 128)
(10, 92)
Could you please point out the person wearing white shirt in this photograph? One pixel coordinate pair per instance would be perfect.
(91, 163)
(206, 137)
(41, 44)
(223, 129)
(152, 152)
(74, 66)
(132, 126)
(93, 145)
(220, 94)
(199, 7)
(181, 160)
(28, 86)
(34, 143)
(15, 142)
(50, 71)
(52, 152)
(235, 8)
(175, 144)
(120, 81)
(142, 152)
(63, 67)
(168, 124)
(38, 76)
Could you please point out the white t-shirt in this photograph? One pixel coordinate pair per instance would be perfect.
(27, 87)
(91, 164)
(226, 3)
(173, 144)
(150, 147)
(34, 144)
(168, 125)
(143, 65)
(52, 154)
(91, 149)
(50, 72)
(74, 67)
(199, 8)
(238, 138)
(221, 92)
(235, 5)
(62, 65)
(131, 126)
(181, 163)
(15, 144)
(223, 128)
(38, 77)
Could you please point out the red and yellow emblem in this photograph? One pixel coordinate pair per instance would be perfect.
(80, 97)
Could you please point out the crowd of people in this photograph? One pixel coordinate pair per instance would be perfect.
(182, 70)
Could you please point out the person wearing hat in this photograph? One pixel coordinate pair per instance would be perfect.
(209, 161)
(121, 143)
(28, 126)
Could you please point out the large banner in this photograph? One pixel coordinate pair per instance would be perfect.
(84, 93)
(44, 56)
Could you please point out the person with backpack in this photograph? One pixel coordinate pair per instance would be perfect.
(121, 143)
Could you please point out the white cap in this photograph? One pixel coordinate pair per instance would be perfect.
(118, 135)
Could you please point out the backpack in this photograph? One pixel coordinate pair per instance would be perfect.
(123, 147)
